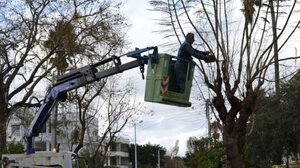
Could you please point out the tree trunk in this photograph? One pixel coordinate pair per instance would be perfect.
(3, 116)
(2, 130)
(102, 161)
(78, 147)
(232, 150)
(93, 162)
(81, 139)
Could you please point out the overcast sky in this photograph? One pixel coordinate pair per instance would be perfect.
(168, 123)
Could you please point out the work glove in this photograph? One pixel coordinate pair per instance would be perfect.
(206, 52)
(209, 58)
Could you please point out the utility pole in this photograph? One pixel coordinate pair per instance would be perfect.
(207, 103)
(135, 149)
(275, 47)
(135, 152)
(54, 127)
(53, 122)
(158, 159)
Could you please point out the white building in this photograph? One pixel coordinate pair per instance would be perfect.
(15, 130)
(117, 155)
(67, 123)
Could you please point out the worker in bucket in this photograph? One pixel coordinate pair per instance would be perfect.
(184, 56)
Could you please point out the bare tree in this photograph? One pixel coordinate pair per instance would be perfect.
(82, 103)
(32, 37)
(114, 108)
(244, 54)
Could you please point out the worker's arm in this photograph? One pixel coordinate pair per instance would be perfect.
(203, 52)
(189, 48)
(203, 55)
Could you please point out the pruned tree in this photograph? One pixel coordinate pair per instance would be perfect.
(38, 36)
(240, 40)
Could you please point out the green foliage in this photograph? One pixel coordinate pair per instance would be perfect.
(63, 38)
(277, 127)
(177, 162)
(147, 155)
(264, 144)
(87, 155)
(204, 153)
(15, 147)
(75, 136)
(12, 148)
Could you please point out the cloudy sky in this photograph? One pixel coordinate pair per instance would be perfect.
(168, 123)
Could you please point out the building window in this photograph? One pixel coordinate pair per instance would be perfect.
(15, 130)
(113, 147)
(113, 161)
(124, 147)
(95, 133)
(124, 161)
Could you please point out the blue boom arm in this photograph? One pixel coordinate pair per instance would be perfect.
(78, 78)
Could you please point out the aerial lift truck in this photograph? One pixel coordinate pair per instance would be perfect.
(160, 88)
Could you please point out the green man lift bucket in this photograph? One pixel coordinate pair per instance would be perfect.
(161, 82)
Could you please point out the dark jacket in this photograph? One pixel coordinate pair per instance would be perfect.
(186, 51)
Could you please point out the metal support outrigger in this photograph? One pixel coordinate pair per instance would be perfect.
(81, 77)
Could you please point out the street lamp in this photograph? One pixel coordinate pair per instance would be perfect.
(158, 158)
(135, 151)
